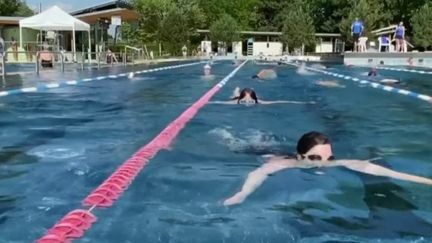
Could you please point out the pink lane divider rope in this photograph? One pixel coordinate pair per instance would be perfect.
(74, 224)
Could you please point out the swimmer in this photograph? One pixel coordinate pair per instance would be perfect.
(266, 74)
(330, 84)
(302, 69)
(373, 72)
(207, 69)
(390, 81)
(248, 97)
(318, 66)
(314, 151)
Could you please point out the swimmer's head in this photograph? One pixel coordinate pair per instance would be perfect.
(314, 146)
(247, 94)
(373, 72)
(255, 76)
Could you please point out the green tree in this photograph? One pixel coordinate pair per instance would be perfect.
(372, 14)
(176, 30)
(238, 9)
(327, 14)
(225, 30)
(14, 8)
(298, 28)
(421, 24)
(402, 10)
(267, 13)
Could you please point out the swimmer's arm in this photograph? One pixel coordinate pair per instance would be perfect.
(230, 102)
(254, 180)
(377, 170)
(264, 102)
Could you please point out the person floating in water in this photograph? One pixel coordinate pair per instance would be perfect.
(248, 96)
(207, 70)
(373, 72)
(329, 84)
(314, 150)
(265, 74)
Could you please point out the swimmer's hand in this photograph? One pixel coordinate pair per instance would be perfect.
(236, 93)
(231, 102)
(263, 102)
(236, 199)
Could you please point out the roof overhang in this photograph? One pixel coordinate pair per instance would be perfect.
(271, 33)
(93, 17)
(6, 20)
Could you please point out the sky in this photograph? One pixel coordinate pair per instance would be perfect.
(67, 5)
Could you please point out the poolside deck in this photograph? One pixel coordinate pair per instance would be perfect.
(420, 59)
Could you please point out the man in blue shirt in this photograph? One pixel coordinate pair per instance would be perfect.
(356, 31)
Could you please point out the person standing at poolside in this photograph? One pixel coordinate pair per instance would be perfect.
(15, 49)
(399, 36)
(356, 31)
(184, 51)
(2, 47)
(46, 57)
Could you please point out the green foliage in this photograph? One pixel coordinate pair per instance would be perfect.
(152, 13)
(421, 24)
(238, 9)
(401, 10)
(175, 32)
(225, 30)
(372, 14)
(14, 8)
(298, 28)
(171, 22)
(174, 22)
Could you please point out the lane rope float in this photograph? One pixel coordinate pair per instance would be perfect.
(74, 224)
(374, 85)
(405, 70)
(44, 87)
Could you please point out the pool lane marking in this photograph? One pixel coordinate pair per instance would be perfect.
(43, 87)
(76, 222)
(405, 70)
(376, 85)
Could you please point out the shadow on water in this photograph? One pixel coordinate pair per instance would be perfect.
(7, 203)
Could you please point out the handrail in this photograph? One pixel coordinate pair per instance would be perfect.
(139, 50)
(3, 61)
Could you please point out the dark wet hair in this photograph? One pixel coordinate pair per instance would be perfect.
(243, 93)
(255, 76)
(373, 72)
(310, 140)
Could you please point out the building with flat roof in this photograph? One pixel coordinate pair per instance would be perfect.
(268, 43)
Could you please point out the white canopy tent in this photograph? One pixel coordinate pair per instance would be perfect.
(55, 19)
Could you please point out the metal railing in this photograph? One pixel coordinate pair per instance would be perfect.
(59, 56)
(139, 51)
(3, 61)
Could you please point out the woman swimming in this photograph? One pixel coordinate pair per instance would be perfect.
(247, 96)
(313, 151)
(265, 74)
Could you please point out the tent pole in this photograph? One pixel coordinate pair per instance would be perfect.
(74, 44)
(21, 42)
(89, 47)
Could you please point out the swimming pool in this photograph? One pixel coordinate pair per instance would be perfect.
(58, 145)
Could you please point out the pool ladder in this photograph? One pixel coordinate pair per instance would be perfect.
(3, 61)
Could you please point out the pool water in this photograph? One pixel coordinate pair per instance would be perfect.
(58, 145)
